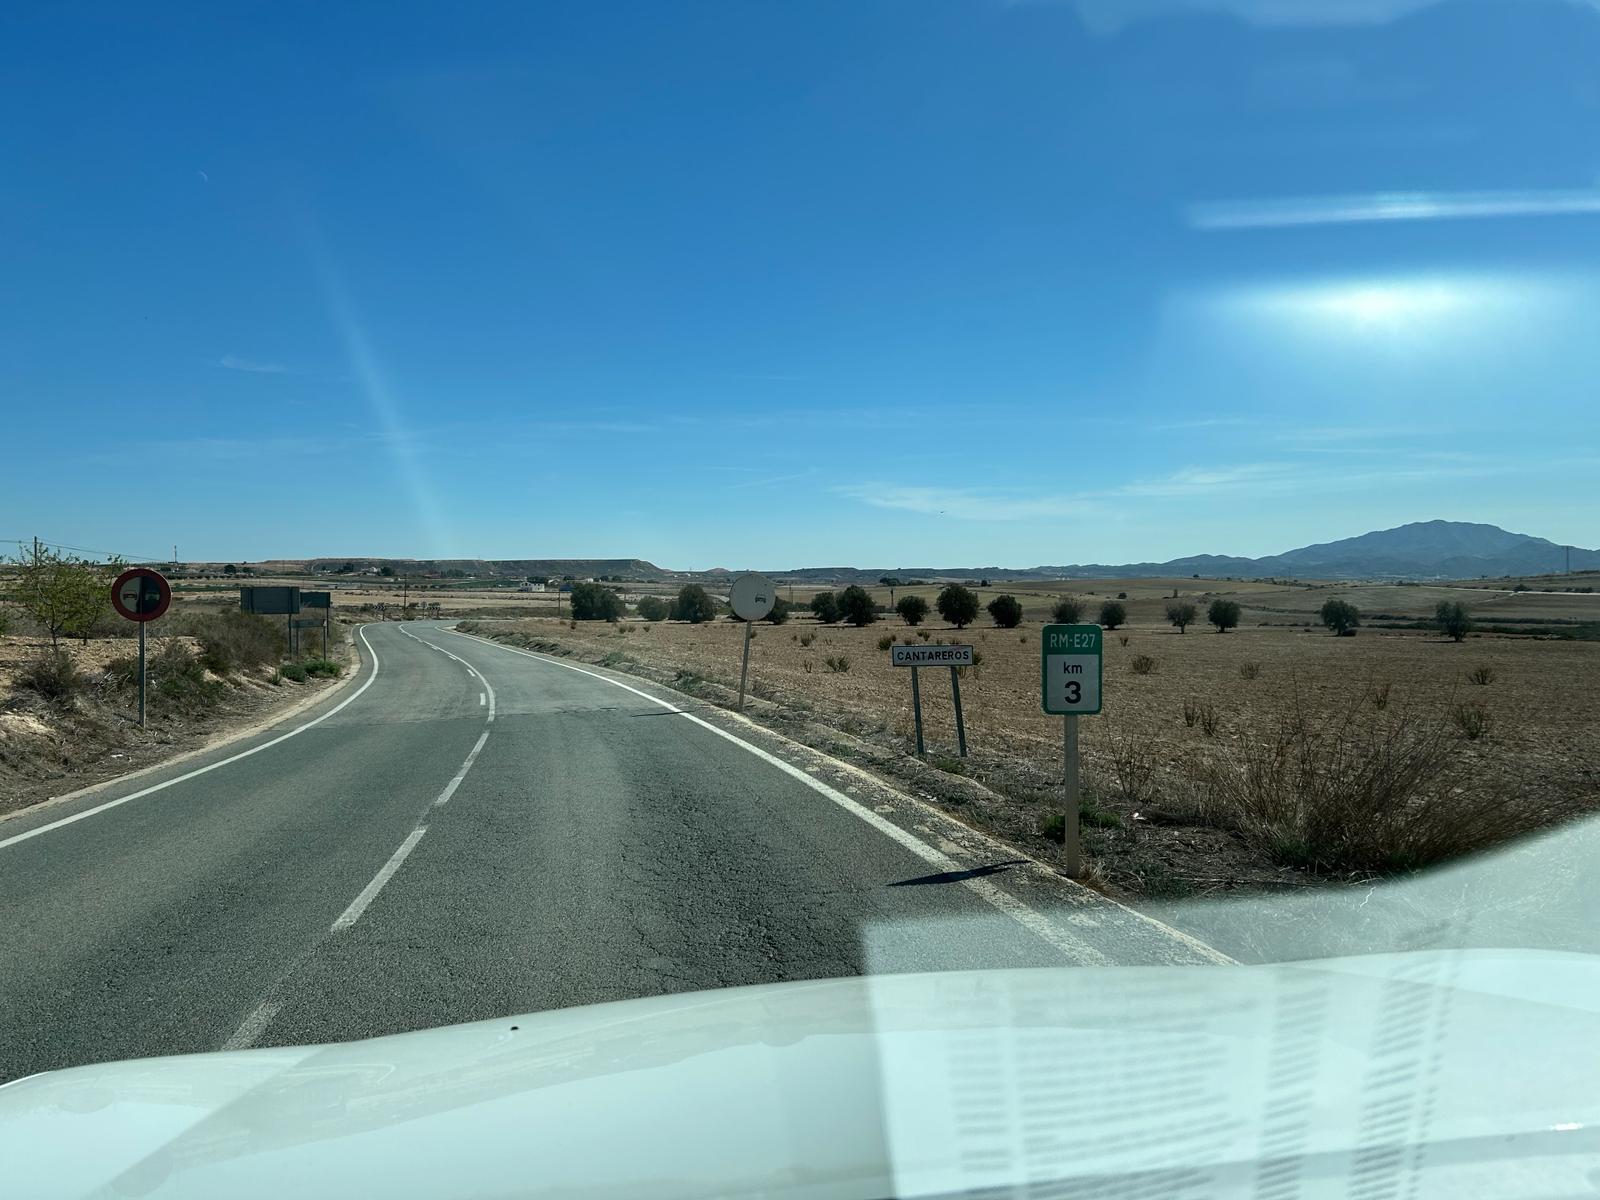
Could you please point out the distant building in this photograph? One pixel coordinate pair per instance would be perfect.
(531, 587)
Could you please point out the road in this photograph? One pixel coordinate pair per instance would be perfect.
(468, 831)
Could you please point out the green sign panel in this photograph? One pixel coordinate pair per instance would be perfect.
(1069, 668)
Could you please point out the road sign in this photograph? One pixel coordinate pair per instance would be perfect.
(305, 622)
(1069, 668)
(316, 599)
(752, 597)
(141, 594)
(930, 656)
(270, 601)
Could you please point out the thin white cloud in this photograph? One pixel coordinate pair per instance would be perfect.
(965, 504)
(1285, 213)
(1112, 16)
(234, 363)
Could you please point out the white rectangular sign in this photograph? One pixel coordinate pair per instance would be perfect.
(930, 656)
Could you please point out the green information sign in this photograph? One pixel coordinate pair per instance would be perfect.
(1069, 668)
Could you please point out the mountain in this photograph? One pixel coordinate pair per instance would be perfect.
(1420, 550)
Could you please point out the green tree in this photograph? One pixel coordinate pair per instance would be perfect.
(694, 604)
(1181, 613)
(652, 608)
(780, 611)
(857, 607)
(912, 609)
(1224, 614)
(1453, 619)
(1112, 614)
(596, 602)
(1342, 617)
(1067, 611)
(64, 594)
(957, 605)
(1006, 611)
(386, 571)
(826, 607)
(230, 569)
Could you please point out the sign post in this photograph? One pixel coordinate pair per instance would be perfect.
(1070, 677)
(751, 598)
(141, 595)
(917, 657)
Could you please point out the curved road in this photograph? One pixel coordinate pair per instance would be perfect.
(469, 831)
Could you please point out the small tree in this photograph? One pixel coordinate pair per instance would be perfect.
(857, 606)
(1342, 617)
(1112, 614)
(826, 607)
(780, 611)
(1453, 619)
(1181, 613)
(1224, 614)
(63, 594)
(386, 571)
(653, 608)
(1067, 611)
(1006, 611)
(957, 605)
(230, 569)
(912, 609)
(694, 605)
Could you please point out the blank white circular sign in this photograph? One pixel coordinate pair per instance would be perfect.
(752, 597)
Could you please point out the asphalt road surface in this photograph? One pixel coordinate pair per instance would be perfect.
(467, 831)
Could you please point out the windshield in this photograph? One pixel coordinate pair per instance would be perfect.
(516, 507)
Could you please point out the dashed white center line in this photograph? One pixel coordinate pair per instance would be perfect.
(359, 905)
(254, 1026)
(482, 699)
(450, 788)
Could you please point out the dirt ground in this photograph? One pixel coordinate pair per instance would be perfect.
(1542, 705)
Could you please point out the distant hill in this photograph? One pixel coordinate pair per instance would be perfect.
(1420, 550)
(481, 568)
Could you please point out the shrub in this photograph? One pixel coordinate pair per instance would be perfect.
(1113, 614)
(826, 607)
(1342, 617)
(1363, 791)
(1006, 611)
(653, 608)
(1191, 712)
(177, 679)
(694, 605)
(951, 766)
(1133, 763)
(1380, 695)
(1482, 676)
(294, 671)
(857, 607)
(1067, 611)
(1123, 639)
(837, 664)
(1181, 613)
(924, 634)
(54, 676)
(1142, 664)
(808, 637)
(1208, 719)
(1472, 720)
(595, 602)
(1224, 614)
(957, 605)
(912, 609)
(1249, 670)
(235, 641)
(323, 668)
(1453, 619)
(779, 613)
(886, 641)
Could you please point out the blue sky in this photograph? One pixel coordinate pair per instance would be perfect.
(768, 285)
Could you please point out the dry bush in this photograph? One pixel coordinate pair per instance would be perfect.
(1123, 638)
(1483, 676)
(837, 664)
(1133, 763)
(1208, 719)
(1361, 791)
(54, 676)
(1142, 664)
(1249, 670)
(1379, 693)
(886, 641)
(1191, 712)
(807, 638)
(1472, 720)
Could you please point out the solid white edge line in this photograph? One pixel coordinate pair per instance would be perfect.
(1028, 917)
(359, 905)
(254, 1026)
(142, 792)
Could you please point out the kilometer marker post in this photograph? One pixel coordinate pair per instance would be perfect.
(1070, 676)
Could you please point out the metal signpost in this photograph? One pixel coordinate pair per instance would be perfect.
(324, 601)
(1069, 677)
(751, 598)
(141, 595)
(917, 657)
(272, 602)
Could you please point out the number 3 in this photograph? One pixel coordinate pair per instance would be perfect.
(1074, 691)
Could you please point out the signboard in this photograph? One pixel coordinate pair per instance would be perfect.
(306, 623)
(930, 656)
(752, 597)
(316, 599)
(141, 594)
(1069, 668)
(270, 601)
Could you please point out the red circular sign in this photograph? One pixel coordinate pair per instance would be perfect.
(141, 594)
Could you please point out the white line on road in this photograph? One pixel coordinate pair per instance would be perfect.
(359, 905)
(100, 808)
(487, 688)
(996, 896)
(481, 699)
(450, 788)
(254, 1026)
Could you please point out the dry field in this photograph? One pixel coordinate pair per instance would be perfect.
(1541, 712)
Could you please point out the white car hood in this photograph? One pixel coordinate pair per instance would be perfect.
(1440, 1073)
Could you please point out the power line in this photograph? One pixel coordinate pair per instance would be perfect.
(24, 542)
